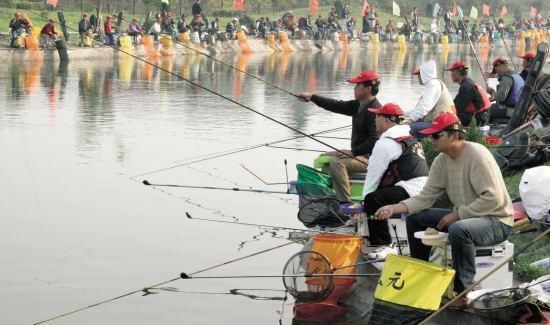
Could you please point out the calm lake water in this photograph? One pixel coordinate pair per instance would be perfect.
(76, 228)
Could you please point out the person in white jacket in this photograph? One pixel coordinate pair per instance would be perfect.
(435, 99)
(397, 171)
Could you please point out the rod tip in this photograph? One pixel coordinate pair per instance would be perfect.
(188, 215)
(184, 275)
(146, 182)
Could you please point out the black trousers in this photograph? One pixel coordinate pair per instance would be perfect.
(379, 230)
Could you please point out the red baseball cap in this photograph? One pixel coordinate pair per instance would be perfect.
(496, 62)
(415, 72)
(441, 122)
(365, 76)
(388, 109)
(456, 65)
(527, 56)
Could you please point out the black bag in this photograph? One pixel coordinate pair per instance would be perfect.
(542, 103)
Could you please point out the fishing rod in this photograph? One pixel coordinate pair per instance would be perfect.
(236, 189)
(213, 92)
(258, 177)
(502, 36)
(305, 275)
(220, 61)
(473, 285)
(472, 47)
(146, 289)
(211, 156)
(188, 215)
(296, 149)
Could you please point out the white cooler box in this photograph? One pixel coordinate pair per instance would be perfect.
(487, 258)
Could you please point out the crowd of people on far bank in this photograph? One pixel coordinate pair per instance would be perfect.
(316, 27)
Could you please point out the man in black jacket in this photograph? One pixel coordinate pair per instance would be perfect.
(363, 132)
(468, 101)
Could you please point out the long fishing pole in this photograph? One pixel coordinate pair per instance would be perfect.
(188, 215)
(225, 63)
(473, 285)
(211, 156)
(305, 275)
(179, 277)
(502, 37)
(472, 47)
(236, 189)
(213, 92)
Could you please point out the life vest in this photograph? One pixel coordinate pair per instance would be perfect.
(411, 164)
(513, 94)
(481, 92)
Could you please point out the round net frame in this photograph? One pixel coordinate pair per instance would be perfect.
(300, 280)
(502, 305)
(500, 299)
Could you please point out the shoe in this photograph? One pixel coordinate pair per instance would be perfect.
(382, 251)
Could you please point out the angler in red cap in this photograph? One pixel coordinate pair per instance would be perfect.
(472, 99)
(363, 132)
(482, 214)
(48, 33)
(527, 60)
(398, 151)
(508, 90)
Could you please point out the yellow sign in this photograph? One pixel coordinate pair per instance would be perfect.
(412, 282)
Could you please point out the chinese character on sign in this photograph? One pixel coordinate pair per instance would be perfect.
(394, 280)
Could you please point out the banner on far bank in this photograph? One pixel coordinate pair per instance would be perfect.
(53, 3)
(473, 13)
(396, 10)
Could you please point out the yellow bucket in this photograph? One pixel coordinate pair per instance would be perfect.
(166, 41)
(184, 37)
(374, 38)
(125, 42)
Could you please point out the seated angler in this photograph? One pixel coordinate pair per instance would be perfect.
(435, 99)
(508, 90)
(483, 212)
(363, 132)
(48, 32)
(397, 171)
(527, 61)
(18, 26)
(471, 99)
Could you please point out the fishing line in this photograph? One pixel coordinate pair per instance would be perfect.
(235, 151)
(188, 215)
(179, 277)
(213, 92)
(220, 61)
(472, 47)
(266, 183)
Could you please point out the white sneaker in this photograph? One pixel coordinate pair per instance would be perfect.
(381, 252)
